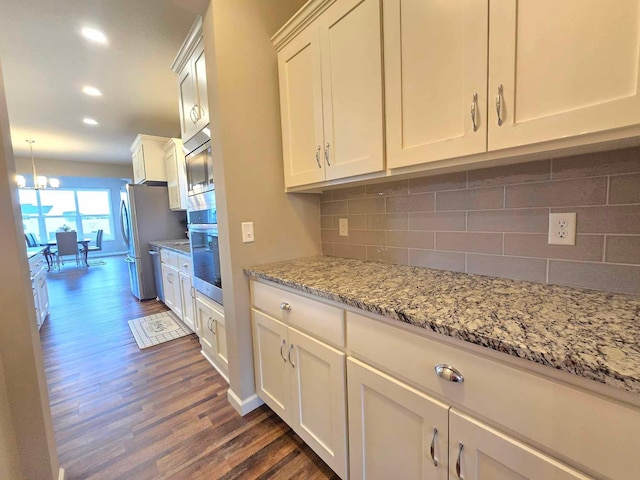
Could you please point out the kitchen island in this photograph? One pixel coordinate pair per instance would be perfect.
(536, 379)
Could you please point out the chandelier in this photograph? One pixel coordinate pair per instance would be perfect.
(39, 181)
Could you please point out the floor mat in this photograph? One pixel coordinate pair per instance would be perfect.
(157, 329)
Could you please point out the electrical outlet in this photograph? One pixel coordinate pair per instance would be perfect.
(562, 229)
(247, 232)
(343, 225)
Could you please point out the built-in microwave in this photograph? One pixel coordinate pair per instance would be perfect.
(200, 170)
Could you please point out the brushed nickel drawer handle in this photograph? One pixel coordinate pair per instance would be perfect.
(285, 306)
(460, 447)
(449, 373)
(433, 447)
(318, 156)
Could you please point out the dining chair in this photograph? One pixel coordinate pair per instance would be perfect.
(31, 240)
(98, 246)
(67, 243)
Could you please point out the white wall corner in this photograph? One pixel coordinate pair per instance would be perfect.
(243, 406)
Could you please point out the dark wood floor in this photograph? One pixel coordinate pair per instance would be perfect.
(160, 413)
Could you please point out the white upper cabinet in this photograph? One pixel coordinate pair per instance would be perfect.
(557, 71)
(435, 79)
(176, 174)
(148, 160)
(190, 66)
(331, 93)
(566, 68)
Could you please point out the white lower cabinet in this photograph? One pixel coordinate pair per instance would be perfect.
(502, 422)
(213, 333)
(171, 285)
(395, 431)
(479, 452)
(303, 381)
(188, 300)
(38, 271)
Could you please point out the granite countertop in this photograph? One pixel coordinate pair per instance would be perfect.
(33, 251)
(181, 246)
(589, 333)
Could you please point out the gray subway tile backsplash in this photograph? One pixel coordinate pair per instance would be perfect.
(494, 221)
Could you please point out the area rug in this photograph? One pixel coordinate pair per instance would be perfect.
(156, 329)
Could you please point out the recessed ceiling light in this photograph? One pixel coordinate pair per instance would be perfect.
(93, 91)
(89, 121)
(94, 35)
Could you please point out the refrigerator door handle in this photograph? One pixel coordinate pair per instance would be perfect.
(124, 223)
(128, 259)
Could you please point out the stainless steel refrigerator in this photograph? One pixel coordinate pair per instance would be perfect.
(145, 217)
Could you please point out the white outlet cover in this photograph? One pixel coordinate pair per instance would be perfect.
(247, 232)
(343, 225)
(562, 228)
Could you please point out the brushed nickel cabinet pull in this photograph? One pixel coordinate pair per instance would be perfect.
(318, 156)
(289, 356)
(460, 447)
(285, 306)
(327, 154)
(474, 107)
(282, 354)
(499, 105)
(448, 373)
(433, 447)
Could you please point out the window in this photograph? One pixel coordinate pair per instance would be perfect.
(45, 212)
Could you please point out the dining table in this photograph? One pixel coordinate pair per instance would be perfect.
(84, 242)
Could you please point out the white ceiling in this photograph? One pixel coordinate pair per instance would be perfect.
(46, 62)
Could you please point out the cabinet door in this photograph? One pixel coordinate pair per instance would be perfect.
(392, 428)
(169, 278)
(187, 94)
(301, 109)
(221, 356)
(567, 68)
(172, 179)
(207, 332)
(351, 50)
(270, 363)
(199, 72)
(319, 399)
(478, 452)
(137, 159)
(435, 79)
(188, 307)
(43, 295)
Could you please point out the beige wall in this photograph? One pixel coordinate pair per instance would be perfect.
(63, 168)
(9, 458)
(243, 97)
(23, 386)
(494, 221)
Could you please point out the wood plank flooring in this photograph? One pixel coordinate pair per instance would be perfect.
(159, 413)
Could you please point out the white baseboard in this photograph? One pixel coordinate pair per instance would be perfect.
(213, 364)
(61, 474)
(244, 406)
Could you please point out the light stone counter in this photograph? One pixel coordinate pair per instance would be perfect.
(589, 333)
(180, 246)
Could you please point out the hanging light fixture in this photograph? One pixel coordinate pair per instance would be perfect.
(40, 182)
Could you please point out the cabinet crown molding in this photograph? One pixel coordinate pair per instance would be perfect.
(143, 137)
(299, 21)
(188, 46)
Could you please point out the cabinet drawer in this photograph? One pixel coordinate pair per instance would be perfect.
(557, 416)
(36, 264)
(185, 264)
(324, 321)
(169, 257)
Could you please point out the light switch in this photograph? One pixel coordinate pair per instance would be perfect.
(247, 232)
